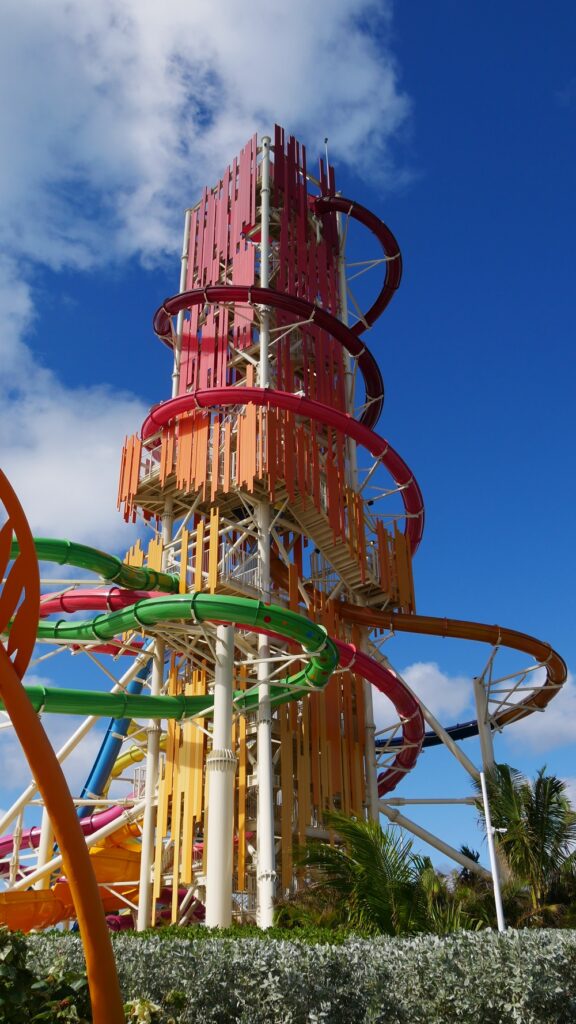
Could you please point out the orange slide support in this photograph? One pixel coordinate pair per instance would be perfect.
(20, 604)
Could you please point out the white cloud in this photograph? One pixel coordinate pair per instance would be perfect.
(137, 102)
(118, 112)
(448, 697)
(14, 770)
(556, 727)
(61, 452)
(570, 783)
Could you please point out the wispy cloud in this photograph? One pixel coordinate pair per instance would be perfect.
(570, 783)
(448, 697)
(555, 728)
(120, 109)
(118, 112)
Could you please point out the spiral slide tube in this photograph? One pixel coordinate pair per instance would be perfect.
(30, 837)
(243, 612)
(166, 412)
(328, 204)
(381, 678)
(82, 702)
(556, 669)
(304, 310)
(115, 599)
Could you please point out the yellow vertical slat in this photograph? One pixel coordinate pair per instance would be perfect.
(177, 841)
(135, 555)
(183, 585)
(213, 550)
(154, 556)
(199, 556)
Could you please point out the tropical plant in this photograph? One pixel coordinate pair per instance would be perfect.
(536, 840)
(371, 880)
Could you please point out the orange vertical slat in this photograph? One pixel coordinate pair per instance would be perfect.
(325, 779)
(383, 557)
(135, 466)
(184, 453)
(402, 569)
(313, 701)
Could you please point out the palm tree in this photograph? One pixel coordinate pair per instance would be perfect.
(371, 880)
(538, 844)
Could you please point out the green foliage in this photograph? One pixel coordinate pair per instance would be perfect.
(524, 977)
(371, 881)
(537, 844)
(58, 994)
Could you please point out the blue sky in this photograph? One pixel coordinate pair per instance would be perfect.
(455, 122)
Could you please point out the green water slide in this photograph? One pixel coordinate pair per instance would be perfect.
(320, 652)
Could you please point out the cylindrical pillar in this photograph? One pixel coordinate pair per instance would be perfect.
(492, 852)
(220, 769)
(180, 318)
(152, 762)
(266, 876)
(45, 848)
(484, 730)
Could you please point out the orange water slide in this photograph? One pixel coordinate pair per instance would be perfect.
(462, 629)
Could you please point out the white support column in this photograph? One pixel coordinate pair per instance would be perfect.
(500, 870)
(45, 848)
(266, 868)
(484, 730)
(369, 723)
(180, 318)
(266, 865)
(152, 761)
(220, 771)
(493, 859)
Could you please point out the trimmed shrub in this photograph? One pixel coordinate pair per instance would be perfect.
(523, 977)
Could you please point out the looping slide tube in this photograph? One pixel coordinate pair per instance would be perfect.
(556, 669)
(327, 204)
(302, 309)
(240, 611)
(115, 600)
(109, 567)
(166, 412)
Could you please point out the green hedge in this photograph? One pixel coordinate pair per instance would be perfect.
(523, 977)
